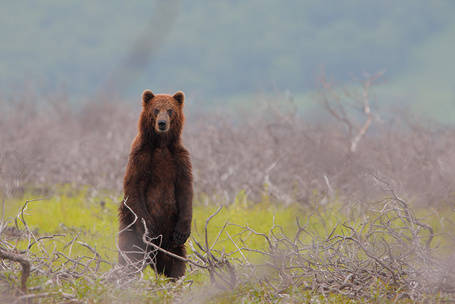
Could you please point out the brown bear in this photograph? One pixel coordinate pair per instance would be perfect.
(158, 188)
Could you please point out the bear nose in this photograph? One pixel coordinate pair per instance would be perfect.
(162, 125)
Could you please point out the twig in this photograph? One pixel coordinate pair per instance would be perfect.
(367, 110)
(209, 255)
(43, 238)
(246, 260)
(175, 256)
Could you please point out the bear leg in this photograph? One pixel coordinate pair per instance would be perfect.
(171, 267)
(133, 251)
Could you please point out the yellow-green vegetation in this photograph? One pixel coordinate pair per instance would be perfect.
(94, 219)
(71, 225)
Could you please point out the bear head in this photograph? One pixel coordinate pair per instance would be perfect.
(162, 115)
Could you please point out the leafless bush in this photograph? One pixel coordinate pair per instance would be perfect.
(51, 143)
(390, 250)
(271, 151)
(274, 152)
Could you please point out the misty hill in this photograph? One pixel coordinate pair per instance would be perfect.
(219, 49)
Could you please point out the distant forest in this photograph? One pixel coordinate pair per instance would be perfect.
(216, 49)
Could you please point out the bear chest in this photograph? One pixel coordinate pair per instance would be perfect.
(161, 178)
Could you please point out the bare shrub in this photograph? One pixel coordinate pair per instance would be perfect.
(389, 252)
(50, 143)
(274, 152)
(271, 152)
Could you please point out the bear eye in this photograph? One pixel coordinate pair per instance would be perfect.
(157, 112)
(169, 112)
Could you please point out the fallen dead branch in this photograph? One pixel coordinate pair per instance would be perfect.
(25, 264)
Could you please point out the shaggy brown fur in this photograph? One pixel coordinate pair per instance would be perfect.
(158, 187)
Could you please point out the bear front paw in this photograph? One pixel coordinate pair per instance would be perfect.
(179, 238)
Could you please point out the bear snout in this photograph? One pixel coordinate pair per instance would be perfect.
(162, 126)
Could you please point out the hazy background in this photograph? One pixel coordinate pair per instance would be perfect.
(229, 52)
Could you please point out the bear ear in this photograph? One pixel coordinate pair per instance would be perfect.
(180, 97)
(147, 95)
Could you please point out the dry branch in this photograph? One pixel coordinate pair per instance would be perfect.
(25, 264)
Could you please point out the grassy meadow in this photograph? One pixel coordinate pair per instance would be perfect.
(93, 217)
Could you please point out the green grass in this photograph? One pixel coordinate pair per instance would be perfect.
(92, 217)
(70, 213)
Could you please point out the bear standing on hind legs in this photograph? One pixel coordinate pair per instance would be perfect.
(158, 187)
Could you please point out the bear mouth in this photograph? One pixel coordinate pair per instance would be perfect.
(162, 127)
